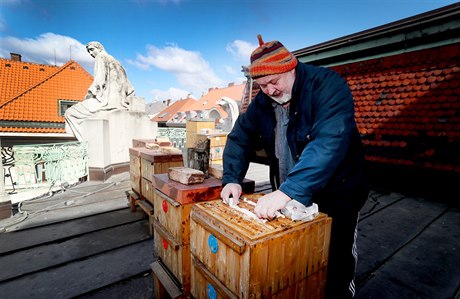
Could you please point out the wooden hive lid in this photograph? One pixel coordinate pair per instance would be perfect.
(220, 217)
(157, 156)
(184, 194)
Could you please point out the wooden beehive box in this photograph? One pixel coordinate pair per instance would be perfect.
(171, 219)
(193, 129)
(238, 257)
(155, 162)
(195, 125)
(174, 256)
(216, 147)
(135, 169)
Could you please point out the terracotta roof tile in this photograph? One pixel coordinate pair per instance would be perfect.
(31, 93)
(169, 112)
(407, 107)
(210, 99)
(206, 102)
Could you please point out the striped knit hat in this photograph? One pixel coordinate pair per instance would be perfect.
(270, 58)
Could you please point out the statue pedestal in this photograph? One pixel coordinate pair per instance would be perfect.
(109, 136)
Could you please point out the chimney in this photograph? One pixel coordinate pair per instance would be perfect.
(15, 57)
(231, 84)
(168, 102)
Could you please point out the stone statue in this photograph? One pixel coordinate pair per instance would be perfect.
(231, 108)
(110, 90)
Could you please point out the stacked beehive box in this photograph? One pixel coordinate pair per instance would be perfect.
(203, 138)
(216, 147)
(135, 169)
(144, 163)
(195, 131)
(135, 164)
(237, 257)
(171, 223)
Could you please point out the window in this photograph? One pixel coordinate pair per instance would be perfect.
(64, 105)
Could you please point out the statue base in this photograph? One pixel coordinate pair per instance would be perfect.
(110, 135)
(103, 174)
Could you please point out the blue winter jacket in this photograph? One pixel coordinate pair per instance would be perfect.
(322, 136)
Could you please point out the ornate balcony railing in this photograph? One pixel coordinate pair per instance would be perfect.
(44, 165)
(176, 135)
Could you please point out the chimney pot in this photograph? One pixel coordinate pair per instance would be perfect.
(15, 56)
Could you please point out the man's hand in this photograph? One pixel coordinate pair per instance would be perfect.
(268, 204)
(231, 190)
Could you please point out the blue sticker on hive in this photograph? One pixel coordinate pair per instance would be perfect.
(211, 292)
(212, 243)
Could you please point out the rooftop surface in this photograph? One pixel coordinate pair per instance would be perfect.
(86, 243)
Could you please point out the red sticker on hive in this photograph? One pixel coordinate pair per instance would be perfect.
(165, 244)
(165, 206)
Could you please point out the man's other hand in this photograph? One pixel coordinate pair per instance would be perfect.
(269, 204)
(231, 193)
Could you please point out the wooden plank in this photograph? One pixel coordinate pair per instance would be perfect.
(83, 276)
(146, 206)
(164, 283)
(133, 197)
(18, 240)
(59, 252)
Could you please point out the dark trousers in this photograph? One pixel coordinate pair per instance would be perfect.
(344, 211)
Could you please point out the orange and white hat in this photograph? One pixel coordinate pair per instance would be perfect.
(270, 58)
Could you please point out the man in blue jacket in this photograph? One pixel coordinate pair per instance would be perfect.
(304, 120)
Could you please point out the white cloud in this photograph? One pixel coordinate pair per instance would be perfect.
(48, 48)
(192, 71)
(230, 70)
(241, 49)
(172, 93)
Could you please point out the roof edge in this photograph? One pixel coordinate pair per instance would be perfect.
(430, 18)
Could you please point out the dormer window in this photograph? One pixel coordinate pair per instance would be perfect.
(64, 105)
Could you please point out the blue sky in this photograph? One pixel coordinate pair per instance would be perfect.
(172, 48)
